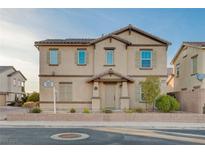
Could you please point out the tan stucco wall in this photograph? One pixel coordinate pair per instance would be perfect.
(4, 83)
(185, 79)
(191, 100)
(67, 64)
(137, 38)
(161, 61)
(124, 63)
(2, 100)
(81, 90)
(120, 54)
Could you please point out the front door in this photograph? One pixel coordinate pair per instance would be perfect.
(110, 97)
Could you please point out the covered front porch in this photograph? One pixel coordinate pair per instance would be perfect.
(110, 90)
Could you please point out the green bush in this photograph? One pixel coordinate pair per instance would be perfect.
(34, 97)
(36, 110)
(139, 110)
(31, 105)
(86, 110)
(128, 110)
(166, 103)
(107, 110)
(72, 110)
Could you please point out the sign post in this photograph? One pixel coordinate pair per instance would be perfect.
(50, 84)
(54, 99)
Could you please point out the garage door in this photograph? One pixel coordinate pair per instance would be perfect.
(2, 100)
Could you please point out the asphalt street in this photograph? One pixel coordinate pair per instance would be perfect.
(42, 136)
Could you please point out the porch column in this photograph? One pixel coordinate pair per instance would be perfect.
(96, 97)
(124, 99)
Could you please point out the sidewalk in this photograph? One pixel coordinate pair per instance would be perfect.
(68, 124)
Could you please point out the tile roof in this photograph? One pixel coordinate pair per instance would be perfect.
(65, 41)
(87, 41)
(109, 71)
(193, 44)
(4, 68)
(13, 73)
(199, 44)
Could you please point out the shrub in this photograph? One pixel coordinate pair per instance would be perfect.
(139, 110)
(174, 104)
(31, 105)
(166, 103)
(34, 97)
(107, 110)
(72, 110)
(36, 110)
(86, 110)
(128, 110)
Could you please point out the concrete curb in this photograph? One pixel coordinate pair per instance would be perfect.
(66, 124)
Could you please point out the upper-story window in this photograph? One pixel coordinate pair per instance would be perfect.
(146, 58)
(81, 57)
(194, 64)
(19, 83)
(177, 70)
(109, 57)
(53, 57)
(14, 82)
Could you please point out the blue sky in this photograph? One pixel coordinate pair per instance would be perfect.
(19, 28)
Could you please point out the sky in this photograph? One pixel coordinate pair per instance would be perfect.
(19, 28)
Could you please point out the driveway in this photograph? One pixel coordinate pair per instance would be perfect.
(4, 110)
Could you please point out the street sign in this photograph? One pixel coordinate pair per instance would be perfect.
(48, 84)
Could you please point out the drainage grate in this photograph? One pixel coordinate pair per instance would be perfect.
(70, 136)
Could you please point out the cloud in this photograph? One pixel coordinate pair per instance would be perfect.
(16, 49)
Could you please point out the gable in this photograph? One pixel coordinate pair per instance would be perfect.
(110, 75)
(137, 38)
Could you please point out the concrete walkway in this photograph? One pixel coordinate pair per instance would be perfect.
(68, 124)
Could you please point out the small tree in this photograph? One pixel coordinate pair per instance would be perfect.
(34, 97)
(151, 89)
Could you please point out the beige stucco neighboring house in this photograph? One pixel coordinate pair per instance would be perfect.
(189, 74)
(100, 73)
(12, 85)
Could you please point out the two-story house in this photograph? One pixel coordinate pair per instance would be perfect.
(105, 72)
(12, 85)
(189, 74)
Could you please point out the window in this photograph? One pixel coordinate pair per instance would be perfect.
(177, 70)
(53, 57)
(65, 91)
(142, 98)
(81, 57)
(109, 57)
(19, 83)
(146, 58)
(22, 84)
(194, 65)
(14, 82)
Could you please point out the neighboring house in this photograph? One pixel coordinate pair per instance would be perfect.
(12, 85)
(189, 82)
(170, 80)
(101, 73)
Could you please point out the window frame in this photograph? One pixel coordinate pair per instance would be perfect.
(141, 100)
(78, 56)
(141, 59)
(177, 70)
(106, 57)
(50, 57)
(192, 62)
(14, 82)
